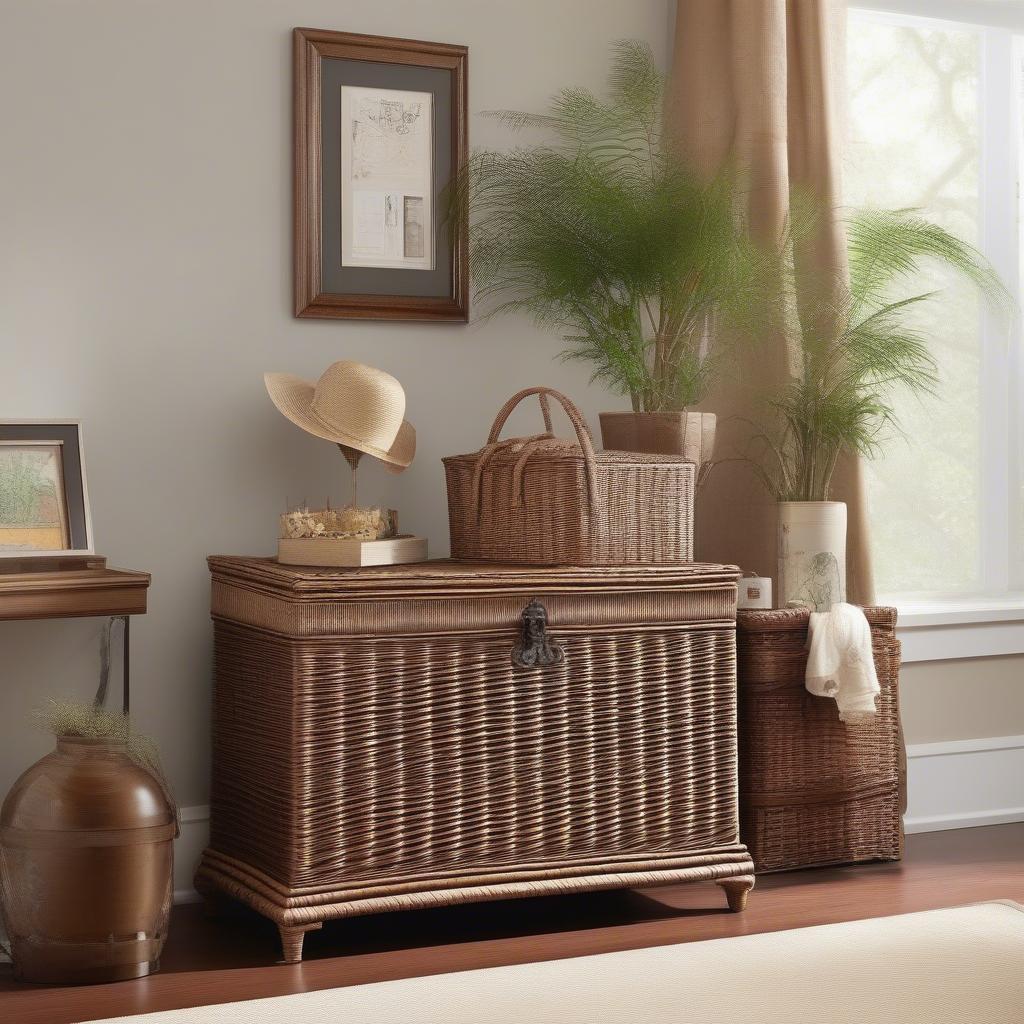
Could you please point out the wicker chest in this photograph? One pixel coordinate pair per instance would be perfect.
(448, 732)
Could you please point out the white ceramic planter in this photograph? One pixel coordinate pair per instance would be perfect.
(812, 553)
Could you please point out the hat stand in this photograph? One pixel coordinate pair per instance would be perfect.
(351, 551)
(352, 457)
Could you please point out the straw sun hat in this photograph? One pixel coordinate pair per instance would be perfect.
(351, 404)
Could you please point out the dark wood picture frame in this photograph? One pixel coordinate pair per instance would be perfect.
(312, 47)
(74, 489)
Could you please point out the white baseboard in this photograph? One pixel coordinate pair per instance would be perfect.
(965, 783)
(195, 829)
(957, 784)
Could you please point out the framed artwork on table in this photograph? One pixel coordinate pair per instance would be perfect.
(380, 130)
(44, 502)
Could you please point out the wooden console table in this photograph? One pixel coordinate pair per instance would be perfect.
(72, 587)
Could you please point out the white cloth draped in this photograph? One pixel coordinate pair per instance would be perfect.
(840, 663)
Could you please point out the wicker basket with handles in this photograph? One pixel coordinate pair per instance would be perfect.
(546, 500)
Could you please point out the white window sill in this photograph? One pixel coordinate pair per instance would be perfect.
(960, 627)
(957, 611)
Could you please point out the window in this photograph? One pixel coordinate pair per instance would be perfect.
(933, 123)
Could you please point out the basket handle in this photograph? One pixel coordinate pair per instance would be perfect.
(583, 434)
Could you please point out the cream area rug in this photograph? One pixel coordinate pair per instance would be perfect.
(963, 965)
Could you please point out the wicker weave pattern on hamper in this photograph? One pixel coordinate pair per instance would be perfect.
(546, 501)
(357, 771)
(812, 789)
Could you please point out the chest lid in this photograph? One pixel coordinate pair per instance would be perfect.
(444, 595)
(446, 577)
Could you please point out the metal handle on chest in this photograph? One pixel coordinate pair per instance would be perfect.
(536, 649)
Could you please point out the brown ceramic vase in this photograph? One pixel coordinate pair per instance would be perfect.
(86, 852)
(690, 434)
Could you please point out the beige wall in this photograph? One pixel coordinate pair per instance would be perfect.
(145, 287)
(963, 699)
(145, 262)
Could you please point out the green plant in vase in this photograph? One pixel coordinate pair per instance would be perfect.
(604, 233)
(856, 347)
(87, 849)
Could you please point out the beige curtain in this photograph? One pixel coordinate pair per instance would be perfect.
(759, 81)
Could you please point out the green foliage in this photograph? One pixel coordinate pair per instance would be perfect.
(606, 236)
(857, 346)
(87, 721)
(92, 721)
(75, 718)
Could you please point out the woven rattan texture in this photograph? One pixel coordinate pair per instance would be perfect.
(544, 501)
(445, 614)
(814, 790)
(341, 763)
(443, 577)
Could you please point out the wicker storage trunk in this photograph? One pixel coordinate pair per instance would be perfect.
(541, 500)
(812, 789)
(404, 737)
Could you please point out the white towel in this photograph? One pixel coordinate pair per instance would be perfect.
(840, 663)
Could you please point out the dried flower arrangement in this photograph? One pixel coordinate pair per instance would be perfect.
(94, 721)
(350, 522)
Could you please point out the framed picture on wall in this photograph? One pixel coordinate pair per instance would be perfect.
(380, 129)
(44, 502)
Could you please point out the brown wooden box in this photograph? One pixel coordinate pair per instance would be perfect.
(377, 748)
(814, 790)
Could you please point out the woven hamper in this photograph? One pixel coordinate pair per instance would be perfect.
(418, 735)
(814, 790)
(542, 500)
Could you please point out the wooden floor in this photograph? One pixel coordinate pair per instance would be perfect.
(216, 961)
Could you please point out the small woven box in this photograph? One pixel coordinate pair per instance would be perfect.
(814, 790)
(544, 500)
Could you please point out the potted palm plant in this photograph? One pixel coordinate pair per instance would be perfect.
(604, 233)
(856, 346)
